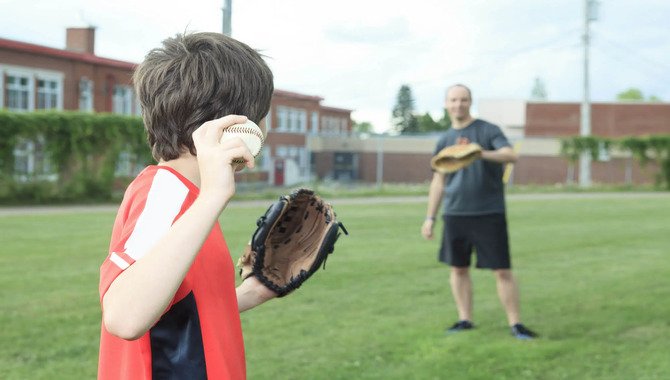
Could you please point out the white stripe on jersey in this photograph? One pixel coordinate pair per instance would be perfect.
(164, 201)
(119, 261)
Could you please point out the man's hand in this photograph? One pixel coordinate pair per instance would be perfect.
(215, 159)
(427, 229)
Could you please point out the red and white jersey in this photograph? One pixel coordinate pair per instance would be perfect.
(200, 335)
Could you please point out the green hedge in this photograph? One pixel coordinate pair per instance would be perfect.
(642, 148)
(82, 148)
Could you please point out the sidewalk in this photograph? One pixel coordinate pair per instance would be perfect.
(46, 210)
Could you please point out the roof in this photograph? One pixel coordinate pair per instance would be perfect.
(25, 47)
(335, 109)
(296, 95)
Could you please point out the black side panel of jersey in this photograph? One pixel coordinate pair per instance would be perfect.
(176, 343)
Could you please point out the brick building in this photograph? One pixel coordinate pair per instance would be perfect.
(35, 77)
(546, 123)
(294, 123)
(307, 140)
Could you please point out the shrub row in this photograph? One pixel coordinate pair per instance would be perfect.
(80, 154)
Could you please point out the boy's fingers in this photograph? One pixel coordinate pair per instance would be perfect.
(241, 152)
(216, 126)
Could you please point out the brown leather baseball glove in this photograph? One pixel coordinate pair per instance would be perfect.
(455, 157)
(293, 239)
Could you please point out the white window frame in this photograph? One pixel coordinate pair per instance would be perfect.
(268, 120)
(282, 119)
(32, 75)
(38, 165)
(30, 106)
(86, 87)
(122, 104)
(58, 91)
(603, 153)
(315, 122)
(295, 152)
(302, 116)
(291, 120)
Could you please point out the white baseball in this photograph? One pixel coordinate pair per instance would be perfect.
(249, 132)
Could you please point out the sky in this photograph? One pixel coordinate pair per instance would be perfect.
(356, 54)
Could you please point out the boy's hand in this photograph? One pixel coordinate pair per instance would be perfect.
(215, 159)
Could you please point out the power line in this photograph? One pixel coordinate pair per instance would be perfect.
(636, 55)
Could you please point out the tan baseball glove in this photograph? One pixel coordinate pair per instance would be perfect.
(455, 157)
(294, 238)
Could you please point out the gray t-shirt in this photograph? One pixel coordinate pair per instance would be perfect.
(477, 189)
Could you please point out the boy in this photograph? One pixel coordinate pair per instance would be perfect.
(170, 308)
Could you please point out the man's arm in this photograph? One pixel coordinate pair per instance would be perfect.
(434, 200)
(503, 155)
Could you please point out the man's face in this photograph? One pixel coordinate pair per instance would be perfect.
(458, 103)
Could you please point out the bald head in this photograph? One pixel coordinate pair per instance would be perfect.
(466, 88)
(458, 102)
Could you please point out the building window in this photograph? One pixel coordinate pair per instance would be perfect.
(291, 120)
(603, 152)
(31, 160)
(48, 94)
(128, 164)
(138, 107)
(333, 125)
(345, 166)
(85, 95)
(18, 92)
(122, 100)
(296, 153)
(315, 122)
(268, 121)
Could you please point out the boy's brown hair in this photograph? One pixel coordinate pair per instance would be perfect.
(194, 78)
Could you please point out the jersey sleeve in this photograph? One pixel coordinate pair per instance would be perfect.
(145, 216)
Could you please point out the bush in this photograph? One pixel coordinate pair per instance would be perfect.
(77, 151)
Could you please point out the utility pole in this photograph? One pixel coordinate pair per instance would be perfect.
(590, 14)
(227, 17)
(380, 161)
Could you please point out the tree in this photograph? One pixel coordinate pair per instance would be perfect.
(630, 94)
(427, 124)
(539, 91)
(404, 120)
(445, 122)
(363, 127)
(635, 94)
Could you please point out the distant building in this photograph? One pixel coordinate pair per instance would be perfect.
(548, 122)
(293, 121)
(35, 77)
(538, 127)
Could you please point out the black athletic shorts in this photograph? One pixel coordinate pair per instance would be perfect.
(487, 234)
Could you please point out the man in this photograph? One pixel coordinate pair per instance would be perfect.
(474, 213)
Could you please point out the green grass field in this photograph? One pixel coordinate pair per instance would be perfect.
(594, 277)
